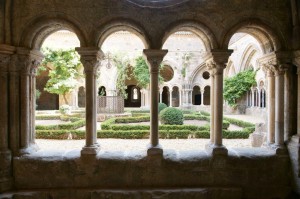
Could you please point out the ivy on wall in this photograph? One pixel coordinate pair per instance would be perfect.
(235, 87)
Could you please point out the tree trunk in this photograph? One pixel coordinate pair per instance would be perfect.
(66, 101)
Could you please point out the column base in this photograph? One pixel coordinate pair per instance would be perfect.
(154, 150)
(90, 150)
(280, 149)
(216, 150)
(31, 149)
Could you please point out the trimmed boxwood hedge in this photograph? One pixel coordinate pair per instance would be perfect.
(75, 124)
(48, 117)
(110, 128)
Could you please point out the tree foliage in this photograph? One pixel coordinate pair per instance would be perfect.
(235, 87)
(122, 62)
(63, 68)
(142, 74)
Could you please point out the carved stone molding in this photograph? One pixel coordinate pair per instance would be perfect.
(216, 61)
(28, 60)
(90, 58)
(154, 58)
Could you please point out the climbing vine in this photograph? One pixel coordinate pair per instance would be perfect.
(122, 62)
(235, 87)
(185, 63)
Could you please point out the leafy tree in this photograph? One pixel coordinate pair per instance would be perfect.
(235, 87)
(141, 72)
(63, 68)
(122, 63)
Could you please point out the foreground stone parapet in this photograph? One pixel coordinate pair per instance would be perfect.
(198, 171)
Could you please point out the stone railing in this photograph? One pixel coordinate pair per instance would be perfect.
(110, 104)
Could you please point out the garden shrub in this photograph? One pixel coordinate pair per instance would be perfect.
(161, 106)
(171, 116)
(225, 124)
(65, 109)
(48, 117)
(123, 134)
(74, 124)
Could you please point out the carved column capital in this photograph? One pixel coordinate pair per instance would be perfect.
(28, 60)
(216, 61)
(154, 58)
(90, 58)
(5, 57)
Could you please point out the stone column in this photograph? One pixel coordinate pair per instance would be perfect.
(90, 58)
(253, 97)
(170, 97)
(279, 105)
(180, 98)
(6, 179)
(298, 103)
(202, 97)
(28, 61)
(216, 63)
(271, 107)
(154, 58)
(160, 95)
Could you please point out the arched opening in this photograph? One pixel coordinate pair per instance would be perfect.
(197, 98)
(81, 97)
(61, 71)
(206, 95)
(102, 91)
(60, 81)
(122, 49)
(133, 96)
(166, 96)
(175, 97)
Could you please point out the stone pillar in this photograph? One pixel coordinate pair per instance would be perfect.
(271, 107)
(154, 59)
(28, 61)
(170, 97)
(259, 98)
(180, 98)
(202, 97)
(279, 106)
(253, 97)
(90, 58)
(216, 63)
(160, 95)
(298, 103)
(5, 152)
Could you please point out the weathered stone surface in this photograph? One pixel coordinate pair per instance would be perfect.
(240, 170)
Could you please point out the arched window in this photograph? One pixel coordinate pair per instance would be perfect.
(135, 95)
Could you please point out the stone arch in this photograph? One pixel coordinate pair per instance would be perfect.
(196, 95)
(166, 95)
(199, 29)
(230, 69)
(175, 96)
(43, 26)
(207, 94)
(248, 54)
(81, 97)
(105, 30)
(196, 71)
(266, 35)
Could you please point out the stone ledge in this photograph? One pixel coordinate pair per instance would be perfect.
(168, 193)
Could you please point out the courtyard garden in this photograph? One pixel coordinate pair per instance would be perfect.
(174, 124)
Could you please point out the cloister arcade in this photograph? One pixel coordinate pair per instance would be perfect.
(218, 171)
